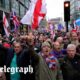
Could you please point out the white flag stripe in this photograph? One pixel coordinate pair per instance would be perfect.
(5, 20)
(29, 16)
(43, 10)
(5, 24)
(27, 19)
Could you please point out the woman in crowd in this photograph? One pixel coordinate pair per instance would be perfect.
(48, 67)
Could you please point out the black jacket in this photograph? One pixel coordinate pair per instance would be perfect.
(71, 68)
(2, 55)
(25, 58)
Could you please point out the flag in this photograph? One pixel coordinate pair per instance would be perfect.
(39, 13)
(15, 20)
(27, 19)
(5, 25)
(77, 22)
(60, 27)
(51, 27)
(35, 14)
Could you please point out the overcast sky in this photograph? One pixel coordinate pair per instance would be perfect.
(55, 8)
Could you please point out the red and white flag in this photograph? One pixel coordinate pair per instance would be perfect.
(35, 14)
(5, 25)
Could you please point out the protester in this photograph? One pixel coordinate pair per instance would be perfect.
(65, 42)
(71, 64)
(58, 52)
(60, 40)
(74, 38)
(39, 42)
(19, 57)
(6, 45)
(49, 68)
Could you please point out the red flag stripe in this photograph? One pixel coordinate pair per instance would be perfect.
(4, 21)
(15, 19)
(5, 24)
(36, 14)
(42, 14)
(16, 22)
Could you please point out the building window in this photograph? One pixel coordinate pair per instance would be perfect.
(15, 6)
(22, 11)
(2, 3)
(7, 5)
(27, 3)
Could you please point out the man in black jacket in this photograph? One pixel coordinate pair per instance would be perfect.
(71, 64)
(19, 57)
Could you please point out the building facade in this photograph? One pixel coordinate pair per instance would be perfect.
(19, 6)
(56, 21)
(74, 9)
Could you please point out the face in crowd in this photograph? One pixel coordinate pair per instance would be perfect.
(46, 48)
(57, 46)
(71, 50)
(17, 47)
(74, 36)
(65, 40)
(31, 37)
(60, 40)
(41, 38)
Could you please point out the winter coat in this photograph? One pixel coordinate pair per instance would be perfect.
(45, 73)
(71, 68)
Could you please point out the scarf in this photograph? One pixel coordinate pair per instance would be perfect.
(58, 54)
(50, 60)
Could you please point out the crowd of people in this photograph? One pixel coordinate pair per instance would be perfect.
(52, 57)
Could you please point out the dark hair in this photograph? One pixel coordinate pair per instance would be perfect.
(78, 49)
(55, 38)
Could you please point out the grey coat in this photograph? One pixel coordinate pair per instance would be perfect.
(45, 73)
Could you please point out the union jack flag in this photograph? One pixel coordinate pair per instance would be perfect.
(15, 19)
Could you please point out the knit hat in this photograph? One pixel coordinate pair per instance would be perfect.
(46, 44)
(74, 30)
(6, 45)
